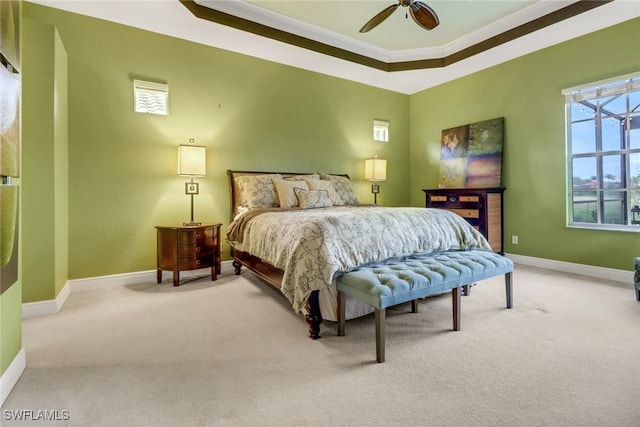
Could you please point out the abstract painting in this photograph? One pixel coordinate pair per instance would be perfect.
(471, 155)
(10, 31)
(10, 89)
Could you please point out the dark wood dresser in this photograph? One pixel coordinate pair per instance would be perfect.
(481, 207)
(183, 248)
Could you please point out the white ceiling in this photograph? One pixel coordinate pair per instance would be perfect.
(463, 23)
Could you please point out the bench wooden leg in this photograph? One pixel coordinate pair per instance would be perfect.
(455, 296)
(509, 289)
(341, 313)
(414, 306)
(380, 333)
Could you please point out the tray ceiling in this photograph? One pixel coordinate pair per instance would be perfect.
(322, 35)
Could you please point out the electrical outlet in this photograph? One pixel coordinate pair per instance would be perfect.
(514, 240)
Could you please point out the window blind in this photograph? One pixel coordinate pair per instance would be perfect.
(151, 97)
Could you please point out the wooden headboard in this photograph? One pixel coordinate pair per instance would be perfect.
(235, 193)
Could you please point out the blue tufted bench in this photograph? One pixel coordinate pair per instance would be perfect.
(395, 282)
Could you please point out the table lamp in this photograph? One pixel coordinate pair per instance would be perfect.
(192, 163)
(375, 170)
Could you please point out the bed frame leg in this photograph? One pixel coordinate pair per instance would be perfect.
(237, 267)
(314, 317)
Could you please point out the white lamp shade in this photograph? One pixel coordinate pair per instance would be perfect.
(192, 160)
(375, 169)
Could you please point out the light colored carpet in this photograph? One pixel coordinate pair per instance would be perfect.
(232, 353)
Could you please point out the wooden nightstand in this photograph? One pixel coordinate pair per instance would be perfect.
(183, 248)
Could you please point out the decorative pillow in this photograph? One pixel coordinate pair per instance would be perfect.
(317, 184)
(285, 190)
(310, 179)
(302, 177)
(343, 187)
(258, 191)
(308, 199)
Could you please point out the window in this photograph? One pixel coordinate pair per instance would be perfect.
(381, 130)
(150, 97)
(603, 146)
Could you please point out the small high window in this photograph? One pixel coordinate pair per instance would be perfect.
(381, 130)
(151, 97)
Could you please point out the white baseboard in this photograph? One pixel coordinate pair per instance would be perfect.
(10, 377)
(102, 282)
(45, 308)
(623, 276)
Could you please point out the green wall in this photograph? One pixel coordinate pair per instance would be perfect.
(526, 92)
(45, 162)
(250, 113)
(10, 325)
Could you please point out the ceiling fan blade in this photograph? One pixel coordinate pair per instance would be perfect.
(423, 15)
(377, 20)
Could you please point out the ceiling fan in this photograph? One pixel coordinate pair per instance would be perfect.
(422, 14)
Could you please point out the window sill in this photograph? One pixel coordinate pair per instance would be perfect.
(606, 227)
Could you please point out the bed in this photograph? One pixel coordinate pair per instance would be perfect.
(300, 231)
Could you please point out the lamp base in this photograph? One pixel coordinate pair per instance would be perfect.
(375, 189)
(191, 224)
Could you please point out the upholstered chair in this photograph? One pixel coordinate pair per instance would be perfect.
(636, 277)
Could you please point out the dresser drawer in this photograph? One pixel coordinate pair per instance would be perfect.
(198, 236)
(438, 198)
(195, 262)
(194, 249)
(469, 199)
(467, 213)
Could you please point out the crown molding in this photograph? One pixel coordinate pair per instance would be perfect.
(254, 13)
(528, 14)
(261, 15)
(263, 22)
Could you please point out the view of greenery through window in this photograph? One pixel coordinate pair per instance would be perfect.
(604, 153)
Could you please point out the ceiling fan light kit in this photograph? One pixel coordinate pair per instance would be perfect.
(422, 14)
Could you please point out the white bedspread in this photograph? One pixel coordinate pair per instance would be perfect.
(312, 245)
